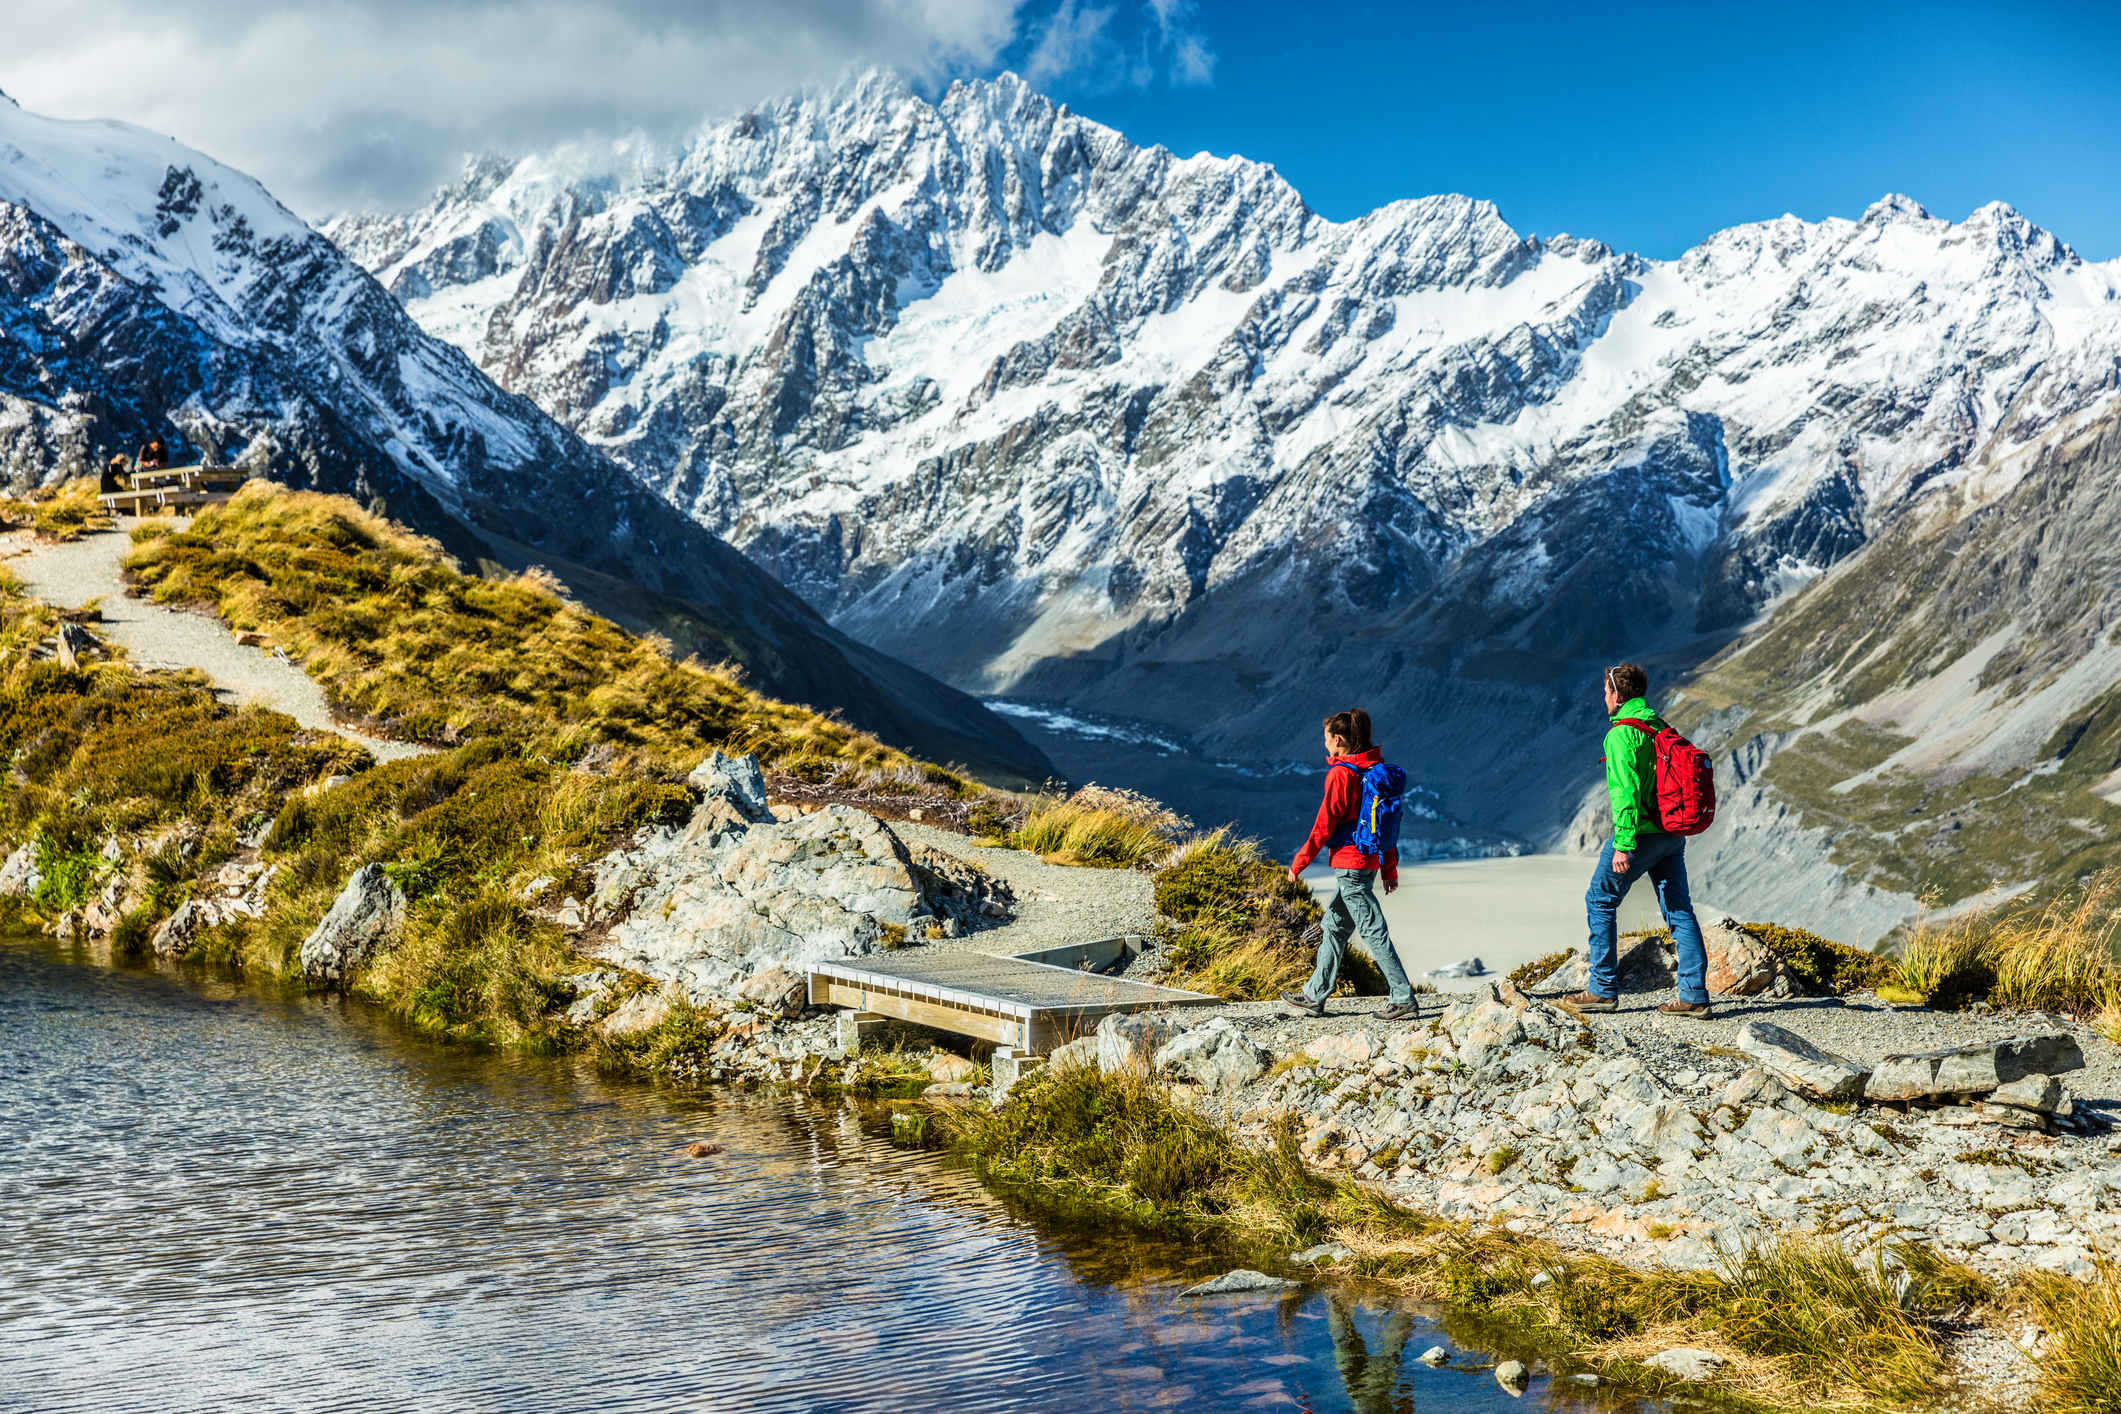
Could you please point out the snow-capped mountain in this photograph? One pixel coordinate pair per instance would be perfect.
(147, 289)
(1049, 413)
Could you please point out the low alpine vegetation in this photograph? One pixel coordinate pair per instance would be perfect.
(1246, 931)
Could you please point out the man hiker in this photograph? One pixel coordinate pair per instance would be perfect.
(1354, 908)
(1639, 848)
(154, 456)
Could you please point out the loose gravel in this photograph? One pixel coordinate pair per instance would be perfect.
(1056, 904)
(69, 575)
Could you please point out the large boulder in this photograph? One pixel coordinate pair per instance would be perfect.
(1217, 1055)
(777, 992)
(1646, 963)
(1740, 964)
(708, 910)
(1805, 1068)
(367, 911)
(1975, 1069)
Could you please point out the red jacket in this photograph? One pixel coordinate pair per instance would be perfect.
(1343, 800)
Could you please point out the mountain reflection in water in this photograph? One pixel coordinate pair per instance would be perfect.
(217, 1197)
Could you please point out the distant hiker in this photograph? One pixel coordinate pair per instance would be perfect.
(154, 456)
(116, 474)
(1641, 844)
(1359, 822)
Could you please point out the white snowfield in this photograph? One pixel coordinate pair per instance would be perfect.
(984, 364)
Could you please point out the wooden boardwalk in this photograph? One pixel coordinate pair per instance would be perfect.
(1027, 1005)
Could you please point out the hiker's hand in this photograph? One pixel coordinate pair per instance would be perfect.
(1391, 884)
(1294, 876)
(1620, 861)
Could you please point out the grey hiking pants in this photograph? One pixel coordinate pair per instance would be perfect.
(1354, 908)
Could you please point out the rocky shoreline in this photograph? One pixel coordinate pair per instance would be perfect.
(1661, 1142)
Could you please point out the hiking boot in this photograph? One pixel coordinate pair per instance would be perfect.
(1700, 1009)
(1303, 1004)
(1589, 1001)
(1400, 1011)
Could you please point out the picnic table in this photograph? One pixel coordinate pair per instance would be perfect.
(173, 489)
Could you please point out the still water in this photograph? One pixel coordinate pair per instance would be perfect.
(212, 1198)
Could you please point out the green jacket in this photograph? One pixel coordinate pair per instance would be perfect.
(1631, 775)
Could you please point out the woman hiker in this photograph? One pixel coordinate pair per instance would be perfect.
(1638, 848)
(1354, 907)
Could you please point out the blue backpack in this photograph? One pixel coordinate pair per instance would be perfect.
(1376, 827)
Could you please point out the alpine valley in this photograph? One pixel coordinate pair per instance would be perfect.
(1055, 416)
(1072, 422)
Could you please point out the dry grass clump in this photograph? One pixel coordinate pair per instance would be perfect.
(1099, 829)
(1942, 963)
(62, 512)
(2060, 958)
(2080, 1363)
(1247, 931)
(414, 649)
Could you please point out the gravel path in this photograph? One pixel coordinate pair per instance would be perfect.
(71, 574)
(1055, 903)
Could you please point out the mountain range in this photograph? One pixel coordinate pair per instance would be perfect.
(146, 289)
(1051, 414)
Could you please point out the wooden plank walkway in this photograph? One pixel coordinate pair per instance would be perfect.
(1012, 1001)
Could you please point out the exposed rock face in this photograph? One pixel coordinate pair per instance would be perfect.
(18, 876)
(1812, 1072)
(725, 908)
(1045, 411)
(367, 911)
(146, 289)
(1130, 1041)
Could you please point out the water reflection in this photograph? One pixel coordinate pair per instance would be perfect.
(216, 1197)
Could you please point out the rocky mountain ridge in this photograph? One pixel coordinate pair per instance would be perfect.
(1050, 413)
(146, 289)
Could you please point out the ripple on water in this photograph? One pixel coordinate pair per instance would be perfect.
(218, 1198)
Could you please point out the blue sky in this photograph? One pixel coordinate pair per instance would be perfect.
(1646, 126)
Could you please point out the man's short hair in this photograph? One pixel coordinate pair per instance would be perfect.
(1628, 680)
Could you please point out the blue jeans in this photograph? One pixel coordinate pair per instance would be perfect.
(1663, 858)
(1354, 908)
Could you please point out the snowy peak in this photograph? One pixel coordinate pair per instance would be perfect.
(1001, 391)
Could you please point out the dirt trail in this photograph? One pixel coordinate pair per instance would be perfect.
(70, 575)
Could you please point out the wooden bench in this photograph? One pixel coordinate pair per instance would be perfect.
(143, 501)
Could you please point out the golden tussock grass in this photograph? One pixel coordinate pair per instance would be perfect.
(2059, 957)
(405, 643)
(61, 512)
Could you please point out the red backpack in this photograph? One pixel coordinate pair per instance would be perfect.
(1686, 780)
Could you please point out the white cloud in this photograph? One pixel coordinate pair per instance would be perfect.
(373, 103)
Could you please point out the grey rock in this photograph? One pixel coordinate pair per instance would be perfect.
(736, 779)
(1686, 1362)
(1812, 1072)
(1216, 1055)
(1130, 1041)
(1740, 964)
(18, 876)
(1512, 1376)
(2031, 1092)
(1323, 1252)
(1755, 1087)
(777, 992)
(1076, 1054)
(367, 911)
(637, 1013)
(1435, 1355)
(1973, 1070)
(174, 935)
(1965, 1234)
(1243, 1279)
(1645, 964)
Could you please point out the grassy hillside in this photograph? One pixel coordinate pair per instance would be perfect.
(558, 734)
(1948, 702)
